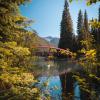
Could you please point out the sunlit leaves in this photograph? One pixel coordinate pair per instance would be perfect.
(18, 79)
(91, 53)
(15, 58)
(95, 24)
(89, 62)
(20, 51)
(89, 2)
(35, 90)
(11, 48)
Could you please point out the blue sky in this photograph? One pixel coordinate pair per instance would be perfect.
(47, 14)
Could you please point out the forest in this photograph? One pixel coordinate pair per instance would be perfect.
(18, 46)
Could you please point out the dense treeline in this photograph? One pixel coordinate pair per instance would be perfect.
(84, 32)
(86, 44)
(16, 60)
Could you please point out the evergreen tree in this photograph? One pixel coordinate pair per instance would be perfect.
(87, 35)
(99, 15)
(95, 31)
(98, 29)
(86, 25)
(75, 43)
(66, 34)
(98, 47)
(12, 20)
(80, 29)
(98, 34)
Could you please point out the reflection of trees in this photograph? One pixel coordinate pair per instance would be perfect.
(67, 85)
(63, 65)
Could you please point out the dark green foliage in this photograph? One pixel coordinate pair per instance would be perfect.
(75, 43)
(80, 32)
(99, 15)
(87, 35)
(66, 35)
(83, 31)
(99, 27)
(80, 23)
(86, 25)
(96, 31)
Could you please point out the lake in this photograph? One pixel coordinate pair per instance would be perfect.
(48, 74)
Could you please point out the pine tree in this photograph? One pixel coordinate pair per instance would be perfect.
(75, 43)
(87, 35)
(98, 34)
(66, 34)
(96, 31)
(98, 47)
(93, 33)
(11, 19)
(99, 15)
(80, 29)
(86, 25)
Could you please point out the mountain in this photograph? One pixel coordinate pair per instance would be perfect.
(41, 44)
(55, 41)
(49, 38)
(52, 40)
(39, 41)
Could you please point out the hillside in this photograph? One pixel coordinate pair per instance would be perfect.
(52, 40)
(41, 41)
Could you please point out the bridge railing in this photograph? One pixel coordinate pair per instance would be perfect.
(52, 51)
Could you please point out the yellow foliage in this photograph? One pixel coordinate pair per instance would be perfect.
(50, 57)
(90, 53)
(53, 50)
(20, 51)
(18, 79)
(95, 24)
(35, 90)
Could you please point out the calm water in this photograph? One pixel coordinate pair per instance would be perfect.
(49, 81)
(54, 87)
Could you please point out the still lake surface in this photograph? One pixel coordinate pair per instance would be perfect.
(48, 74)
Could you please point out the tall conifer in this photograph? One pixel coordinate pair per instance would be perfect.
(80, 29)
(87, 35)
(96, 31)
(66, 34)
(99, 15)
(99, 27)
(86, 25)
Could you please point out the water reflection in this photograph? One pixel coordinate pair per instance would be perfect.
(55, 73)
(76, 91)
(54, 87)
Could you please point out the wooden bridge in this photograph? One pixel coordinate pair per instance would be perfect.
(46, 51)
